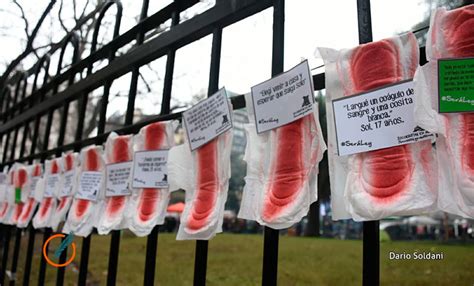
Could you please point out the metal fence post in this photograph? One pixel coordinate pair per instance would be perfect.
(16, 253)
(42, 270)
(200, 261)
(371, 242)
(16, 246)
(6, 248)
(29, 255)
(45, 60)
(271, 236)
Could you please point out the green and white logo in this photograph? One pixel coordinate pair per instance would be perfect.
(456, 85)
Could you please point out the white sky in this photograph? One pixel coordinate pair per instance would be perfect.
(246, 48)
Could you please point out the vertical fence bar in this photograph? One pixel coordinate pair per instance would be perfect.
(3, 91)
(16, 253)
(16, 245)
(150, 260)
(5, 147)
(200, 262)
(113, 257)
(371, 242)
(170, 59)
(5, 228)
(31, 236)
(29, 255)
(16, 248)
(42, 270)
(74, 40)
(136, 70)
(86, 241)
(152, 239)
(27, 123)
(86, 245)
(271, 236)
(62, 259)
(115, 239)
(7, 140)
(47, 231)
(6, 248)
(17, 129)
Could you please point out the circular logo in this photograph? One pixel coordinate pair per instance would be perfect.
(50, 262)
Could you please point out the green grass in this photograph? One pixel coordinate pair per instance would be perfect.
(236, 260)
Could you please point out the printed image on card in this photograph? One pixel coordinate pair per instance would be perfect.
(33, 184)
(117, 177)
(150, 169)
(284, 98)
(207, 119)
(68, 183)
(456, 85)
(89, 185)
(51, 184)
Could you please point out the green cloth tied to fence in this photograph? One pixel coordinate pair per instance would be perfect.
(17, 195)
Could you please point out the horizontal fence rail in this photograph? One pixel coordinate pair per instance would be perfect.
(22, 114)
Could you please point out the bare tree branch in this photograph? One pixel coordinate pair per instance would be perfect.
(84, 10)
(29, 45)
(74, 10)
(92, 124)
(145, 82)
(61, 22)
(54, 47)
(23, 17)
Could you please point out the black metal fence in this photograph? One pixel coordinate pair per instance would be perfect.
(22, 114)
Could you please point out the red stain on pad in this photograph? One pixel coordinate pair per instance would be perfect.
(92, 160)
(46, 204)
(374, 65)
(68, 166)
(62, 203)
(459, 34)
(21, 178)
(120, 153)
(467, 123)
(459, 37)
(28, 208)
(25, 214)
(92, 164)
(54, 166)
(287, 172)
(207, 186)
(154, 138)
(37, 170)
(3, 210)
(384, 173)
(69, 162)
